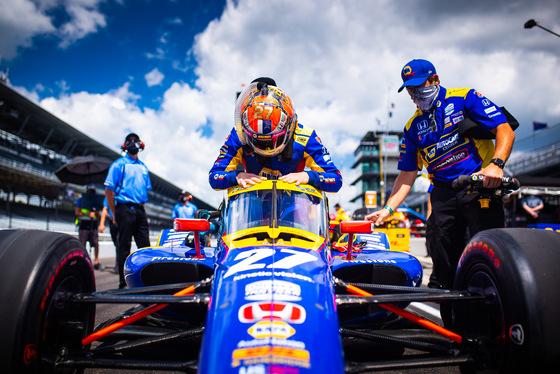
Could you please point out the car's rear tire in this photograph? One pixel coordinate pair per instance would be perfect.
(517, 329)
(36, 269)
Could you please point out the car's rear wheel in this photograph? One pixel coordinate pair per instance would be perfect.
(38, 269)
(516, 329)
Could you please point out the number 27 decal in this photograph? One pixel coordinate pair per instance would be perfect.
(250, 260)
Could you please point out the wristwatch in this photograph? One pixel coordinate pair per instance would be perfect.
(498, 162)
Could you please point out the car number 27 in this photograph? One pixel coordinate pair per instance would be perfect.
(259, 259)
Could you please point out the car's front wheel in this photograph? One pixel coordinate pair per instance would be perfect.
(516, 329)
(38, 270)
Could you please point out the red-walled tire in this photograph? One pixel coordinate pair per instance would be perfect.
(517, 330)
(36, 269)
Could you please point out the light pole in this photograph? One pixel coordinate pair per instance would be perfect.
(532, 23)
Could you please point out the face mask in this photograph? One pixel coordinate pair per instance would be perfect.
(132, 148)
(424, 97)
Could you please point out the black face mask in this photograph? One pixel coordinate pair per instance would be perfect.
(132, 148)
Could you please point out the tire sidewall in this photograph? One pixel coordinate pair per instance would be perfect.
(45, 260)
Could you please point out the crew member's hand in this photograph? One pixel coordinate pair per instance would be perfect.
(297, 178)
(244, 179)
(378, 217)
(493, 175)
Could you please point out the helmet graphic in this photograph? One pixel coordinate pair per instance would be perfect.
(265, 118)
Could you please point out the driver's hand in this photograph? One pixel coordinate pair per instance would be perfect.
(297, 178)
(378, 216)
(493, 176)
(244, 179)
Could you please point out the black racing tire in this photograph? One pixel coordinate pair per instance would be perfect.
(517, 329)
(36, 269)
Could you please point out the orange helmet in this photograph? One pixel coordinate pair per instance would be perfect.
(265, 118)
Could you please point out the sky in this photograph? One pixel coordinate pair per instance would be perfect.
(169, 70)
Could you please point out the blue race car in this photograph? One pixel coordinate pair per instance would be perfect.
(274, 296)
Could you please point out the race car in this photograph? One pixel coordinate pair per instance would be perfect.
(273, 296)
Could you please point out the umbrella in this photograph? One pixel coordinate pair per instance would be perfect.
(84, 170)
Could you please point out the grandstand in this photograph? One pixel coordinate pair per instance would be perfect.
(33, 145)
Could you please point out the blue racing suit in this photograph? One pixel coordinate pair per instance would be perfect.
(307, 151)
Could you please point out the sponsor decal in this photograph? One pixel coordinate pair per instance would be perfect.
(407, 71)
(448, 142)
(271, 329)
(449, 109)
(485, 102)
(287, 312)
(301, 140)
(270, 355)
(422, 125)
(176, 259)
(490, 110)
(253, 260)
(253, 369)
(478, 94)
(269, 289)
(516, 334)
(494, 115)
(71, 258)
(271, 341)
(458, 119)
(484, 249)
(452, 159)
(268, 274)
(29, 354)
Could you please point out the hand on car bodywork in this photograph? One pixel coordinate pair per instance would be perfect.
(378, 217)
(244, 179)
(297, 178)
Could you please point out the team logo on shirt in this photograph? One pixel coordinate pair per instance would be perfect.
(452, 160)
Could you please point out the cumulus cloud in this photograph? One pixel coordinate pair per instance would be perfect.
(154, 78)
(339, 61)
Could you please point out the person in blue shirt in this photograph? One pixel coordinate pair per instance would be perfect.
(126, 189)
(268, 142)
(431, 139)
(185, 208)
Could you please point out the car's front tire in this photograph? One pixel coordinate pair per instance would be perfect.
(37, 269)
(516, 329)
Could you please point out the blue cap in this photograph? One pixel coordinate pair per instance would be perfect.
(416, 72)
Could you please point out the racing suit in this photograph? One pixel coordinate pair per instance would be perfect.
(432, 139)
(307, 151)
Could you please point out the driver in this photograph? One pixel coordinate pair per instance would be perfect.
(268, 142)
(431, 138)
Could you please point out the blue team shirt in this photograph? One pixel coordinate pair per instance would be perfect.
(184, 211)
(130, 179)
(308, 151)
(109, 213)
(436, 143)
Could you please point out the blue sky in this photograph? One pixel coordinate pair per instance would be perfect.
(169, 69)
(139, 37)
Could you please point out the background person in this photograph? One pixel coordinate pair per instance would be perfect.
(87, 216)
(270, 143)
(432, 135)
(184, 208)
(533, 205)
(107, 216)
(126, 189)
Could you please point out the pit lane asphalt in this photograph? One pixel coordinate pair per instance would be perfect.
(106, 278)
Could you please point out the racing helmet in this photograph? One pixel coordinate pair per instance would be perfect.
(265, 119)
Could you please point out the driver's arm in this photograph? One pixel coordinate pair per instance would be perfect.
(403, 185)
